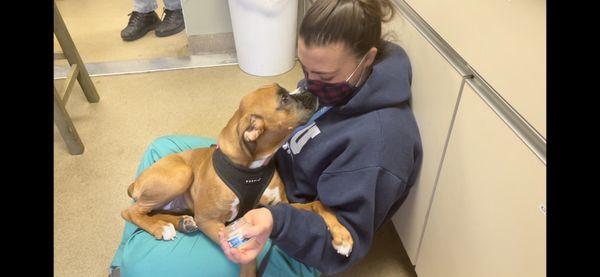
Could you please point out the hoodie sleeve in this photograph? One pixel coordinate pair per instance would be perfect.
(361, 200)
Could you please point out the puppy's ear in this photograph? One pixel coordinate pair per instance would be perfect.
(253, 126)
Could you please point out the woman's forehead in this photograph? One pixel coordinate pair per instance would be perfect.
(324, 59)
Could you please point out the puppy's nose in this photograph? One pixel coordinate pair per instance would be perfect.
(308, 100)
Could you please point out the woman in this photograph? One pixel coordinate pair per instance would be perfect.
(363, 158)
(359, 155)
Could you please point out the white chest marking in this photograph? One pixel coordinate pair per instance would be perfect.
(234, 208)
(257, 163)
(272, 195)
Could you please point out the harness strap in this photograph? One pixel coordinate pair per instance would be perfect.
(248, 184)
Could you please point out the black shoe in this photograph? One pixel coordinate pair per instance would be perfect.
(139, 24)
(171, 24)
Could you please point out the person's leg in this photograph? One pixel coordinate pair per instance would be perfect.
(144, 6)
(142, 20)
(196, 255)
(140, 254)
(159, 148)
(191, 254)
(173, 21)
(172, 4)
(280, 264)
(168, 145)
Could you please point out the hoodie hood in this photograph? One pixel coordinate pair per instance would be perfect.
(387, 86)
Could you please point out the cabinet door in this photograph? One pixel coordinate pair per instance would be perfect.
(485, 217)
(435, 86)
(504, 41)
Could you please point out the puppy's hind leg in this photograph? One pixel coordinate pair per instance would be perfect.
(157, 186)
(182, 223)
(159, 228)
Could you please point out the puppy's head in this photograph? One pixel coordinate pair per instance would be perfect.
(265, 118)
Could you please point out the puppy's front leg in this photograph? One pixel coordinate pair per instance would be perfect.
(211, 229)
(249, 269)
(342, 240)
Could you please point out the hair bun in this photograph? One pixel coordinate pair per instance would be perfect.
(383, 9)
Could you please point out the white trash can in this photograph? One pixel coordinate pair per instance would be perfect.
(265, 35)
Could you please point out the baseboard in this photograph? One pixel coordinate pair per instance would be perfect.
(221, 43)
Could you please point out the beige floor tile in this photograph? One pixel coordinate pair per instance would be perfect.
(95, 27)
(386, 258)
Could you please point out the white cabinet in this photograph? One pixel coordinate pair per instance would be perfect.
(485, 218)
(435, 86)
(503, 40)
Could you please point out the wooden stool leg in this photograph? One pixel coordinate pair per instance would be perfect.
(70, 52)
(65, 127)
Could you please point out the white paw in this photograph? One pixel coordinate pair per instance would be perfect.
(169, 232)
(343, 249)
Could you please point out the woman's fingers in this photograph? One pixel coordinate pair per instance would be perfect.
(252, 231)
(233, 254)
(222, 240)
(224, 245)
(257, 236)
(236, 256)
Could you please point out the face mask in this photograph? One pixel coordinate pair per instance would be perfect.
(331, 94)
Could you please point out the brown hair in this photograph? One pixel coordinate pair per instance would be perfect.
(356, 23)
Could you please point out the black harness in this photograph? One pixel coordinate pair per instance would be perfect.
(248, 184)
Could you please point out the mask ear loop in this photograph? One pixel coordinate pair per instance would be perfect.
(360, 78)
(352, 74)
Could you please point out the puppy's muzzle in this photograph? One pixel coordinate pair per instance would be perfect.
(307, 99)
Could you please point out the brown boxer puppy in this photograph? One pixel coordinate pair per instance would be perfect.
(217, 185)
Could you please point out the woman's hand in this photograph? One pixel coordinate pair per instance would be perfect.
(261, 225)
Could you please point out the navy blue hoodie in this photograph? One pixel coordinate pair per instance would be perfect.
(359, 159)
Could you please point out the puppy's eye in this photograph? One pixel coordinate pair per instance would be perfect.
(285, 99)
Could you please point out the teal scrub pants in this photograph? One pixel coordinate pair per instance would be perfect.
(140, 254)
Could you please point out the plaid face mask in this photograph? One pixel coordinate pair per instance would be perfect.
(332, 94)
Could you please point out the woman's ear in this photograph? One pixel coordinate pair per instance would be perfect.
(371, 56)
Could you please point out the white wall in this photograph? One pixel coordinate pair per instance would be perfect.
(435, 86)
(485, 218)
(482, 217)
(504, 40)
(208, 17)
(204, 17)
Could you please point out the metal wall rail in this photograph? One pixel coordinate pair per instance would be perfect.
(151, 65)
(529, 135)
